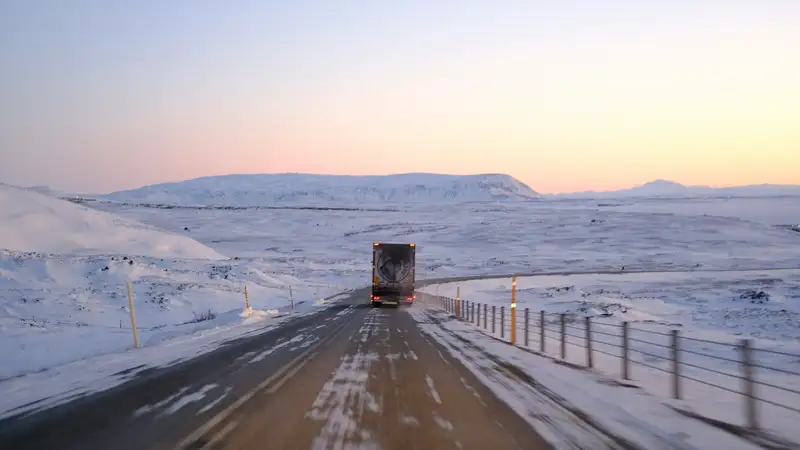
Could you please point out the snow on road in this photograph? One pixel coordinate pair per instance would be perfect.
(344, 398)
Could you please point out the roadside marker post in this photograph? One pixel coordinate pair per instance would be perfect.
(291, 296)
(246, 299)
(513, 310)
(133, 317)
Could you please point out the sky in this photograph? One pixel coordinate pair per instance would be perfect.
(104, 95)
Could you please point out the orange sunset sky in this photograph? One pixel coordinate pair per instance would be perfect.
(566, 96)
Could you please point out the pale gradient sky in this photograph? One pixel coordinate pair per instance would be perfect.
(100, 95)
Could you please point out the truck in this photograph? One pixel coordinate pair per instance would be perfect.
(393, 274)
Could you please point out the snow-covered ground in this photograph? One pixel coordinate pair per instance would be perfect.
(64, 271)
(711, 310)
(767, 210)
(64, 301)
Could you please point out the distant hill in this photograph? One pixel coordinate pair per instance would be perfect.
(329, 190)
(670, 189)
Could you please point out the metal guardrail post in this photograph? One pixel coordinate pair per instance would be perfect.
(589, 359)
(625, 363)
(676, 365)
(527, 327)
(502, 322)
(478, 319)
(751, 409)
(494, 316)
(485, 314)
(474, 320)
(542, 334)
(563, 336)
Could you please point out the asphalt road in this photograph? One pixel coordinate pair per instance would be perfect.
(348, 377)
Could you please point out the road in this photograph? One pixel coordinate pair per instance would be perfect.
(350, 377)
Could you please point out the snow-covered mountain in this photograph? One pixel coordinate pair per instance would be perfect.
(35, 222)
(663, 188)
(329, 190)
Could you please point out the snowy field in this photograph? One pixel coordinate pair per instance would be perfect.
(773, 211)
(711, 310)
(63, 300)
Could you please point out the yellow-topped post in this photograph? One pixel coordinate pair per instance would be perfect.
(514, 310)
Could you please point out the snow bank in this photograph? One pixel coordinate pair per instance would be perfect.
(327, 190)
(33, 222)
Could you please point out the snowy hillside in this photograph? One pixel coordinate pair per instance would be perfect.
(663, 188)
(328, 190)
(64, 270)
(34, 222)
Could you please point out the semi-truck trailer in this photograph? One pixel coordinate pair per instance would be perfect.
(393, 273)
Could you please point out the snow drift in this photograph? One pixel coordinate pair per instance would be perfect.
(283, 189)
(34, 222)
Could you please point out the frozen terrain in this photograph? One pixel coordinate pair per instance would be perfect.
(64, 271)
(329, 190)
(711, 310)
(779, 211)
(62, 303)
